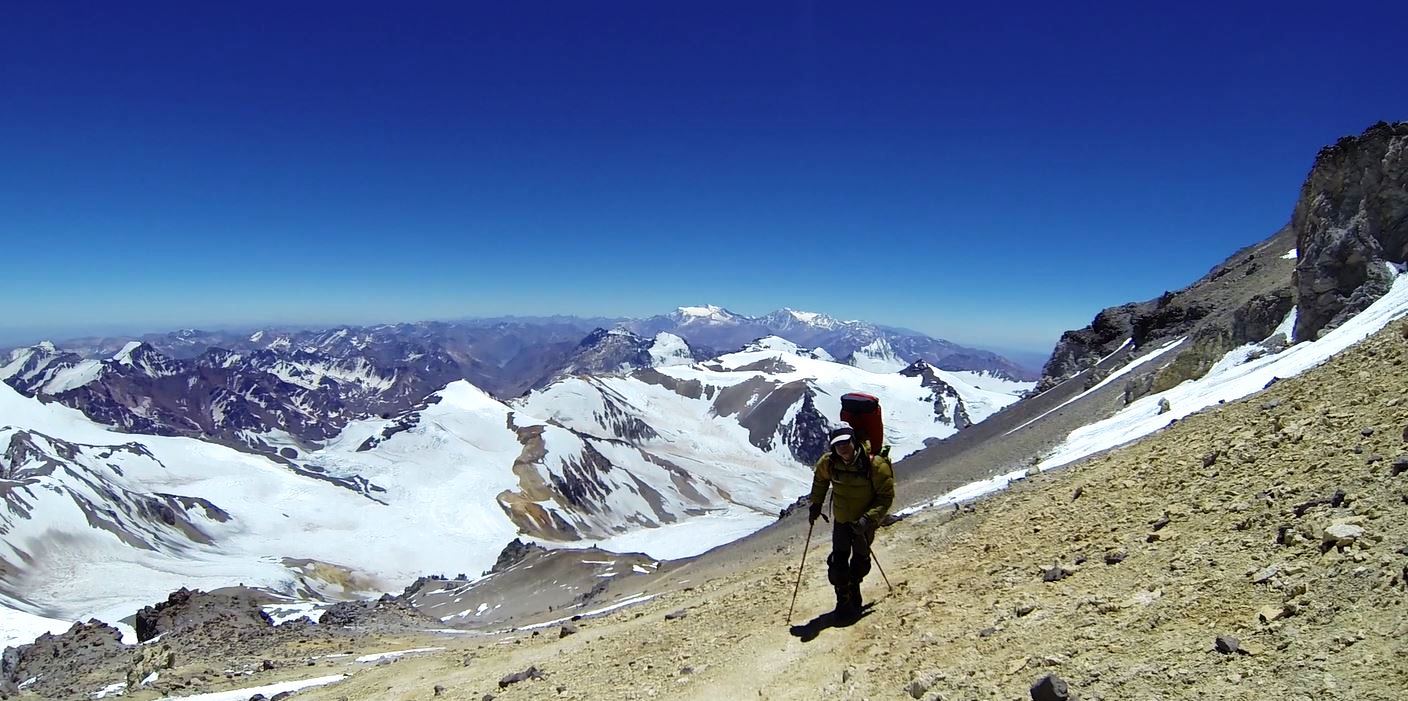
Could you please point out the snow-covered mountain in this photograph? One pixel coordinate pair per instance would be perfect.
(778, 398)
(645, 449)
(712, 326)
(876, 356)
(264, 400)
(616, 350)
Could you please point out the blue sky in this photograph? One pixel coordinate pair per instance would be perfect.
(988, 176)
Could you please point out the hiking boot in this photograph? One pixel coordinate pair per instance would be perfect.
(854, 600)
(843, 603)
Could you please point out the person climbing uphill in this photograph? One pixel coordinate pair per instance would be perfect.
(864, 489)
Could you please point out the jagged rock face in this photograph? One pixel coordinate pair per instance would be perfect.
(1351, 217)
(1081, 349)
(54, 662)
(1259, 317)
(948, 406)
(514, 553)
(1241, 300)
(185, 609)
(806, 433)
(1168, 317)
(604, 351)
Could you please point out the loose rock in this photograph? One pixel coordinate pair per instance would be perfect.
(516, 677)
(1227, 645)
(1400, 463)
(1341, 535)
(1265, 574)
(916, 689)
(566, 630)
(676, 615)
(1050, 688)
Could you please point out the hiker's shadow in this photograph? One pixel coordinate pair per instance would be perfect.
(808, 631)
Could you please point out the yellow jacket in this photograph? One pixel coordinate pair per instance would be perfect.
(856, 492)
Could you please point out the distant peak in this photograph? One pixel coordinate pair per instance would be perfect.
(599, 334)
(124, 356)
(785, 317)
(773, 343)
(707, 312)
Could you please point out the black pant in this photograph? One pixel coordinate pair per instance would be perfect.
(849, 561)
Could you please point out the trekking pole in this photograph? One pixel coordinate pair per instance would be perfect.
(876, 560)
(799, 572)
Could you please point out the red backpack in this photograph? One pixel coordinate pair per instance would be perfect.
(862, 412)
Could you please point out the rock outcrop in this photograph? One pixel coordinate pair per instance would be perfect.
(186, 609)
(1351, 218)
(1081, 349)
(54, 665)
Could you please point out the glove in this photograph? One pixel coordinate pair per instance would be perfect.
(813, 513)
(861, 525)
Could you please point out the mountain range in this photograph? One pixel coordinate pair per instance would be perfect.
(189, 465)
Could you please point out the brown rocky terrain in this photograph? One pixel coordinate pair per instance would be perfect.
(1254, 550)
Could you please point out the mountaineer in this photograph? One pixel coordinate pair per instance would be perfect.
(863, 488)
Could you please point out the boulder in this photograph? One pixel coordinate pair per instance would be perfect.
(1051, 688)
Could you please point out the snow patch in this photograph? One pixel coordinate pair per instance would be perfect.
(395, 654)
(283, 613)
(266, 690)
(110, 690)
